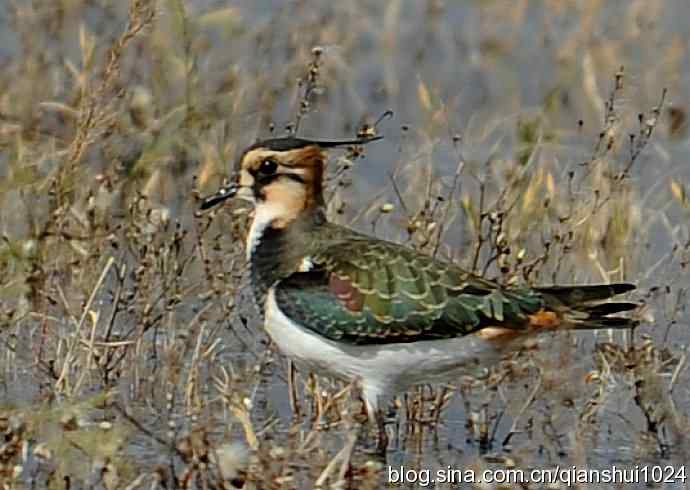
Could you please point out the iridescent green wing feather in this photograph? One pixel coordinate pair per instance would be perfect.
(366, 291)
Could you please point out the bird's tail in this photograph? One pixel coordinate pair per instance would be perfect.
(585, 307)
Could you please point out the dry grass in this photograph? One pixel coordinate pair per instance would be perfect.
(521, 148)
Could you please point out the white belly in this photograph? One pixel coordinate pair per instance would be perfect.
(383, 370)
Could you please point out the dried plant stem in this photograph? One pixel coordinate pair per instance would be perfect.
(343, 458)
(516, 420)
(60, 384)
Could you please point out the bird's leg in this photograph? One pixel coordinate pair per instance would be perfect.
(382, 437)
(370, 397)
(292, 389)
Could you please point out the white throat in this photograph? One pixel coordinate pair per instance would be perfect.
(264, 214)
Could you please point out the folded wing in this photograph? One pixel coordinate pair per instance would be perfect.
(365, 291)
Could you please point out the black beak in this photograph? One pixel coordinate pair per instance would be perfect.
(225, 192)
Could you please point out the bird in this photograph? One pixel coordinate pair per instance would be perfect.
(373, 312)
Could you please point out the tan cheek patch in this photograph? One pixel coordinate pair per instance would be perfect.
(290, 196)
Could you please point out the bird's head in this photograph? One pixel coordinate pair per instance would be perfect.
(283, 174)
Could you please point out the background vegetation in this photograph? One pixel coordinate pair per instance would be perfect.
(535, 141)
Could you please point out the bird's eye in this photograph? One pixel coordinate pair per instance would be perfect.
(268, 167)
